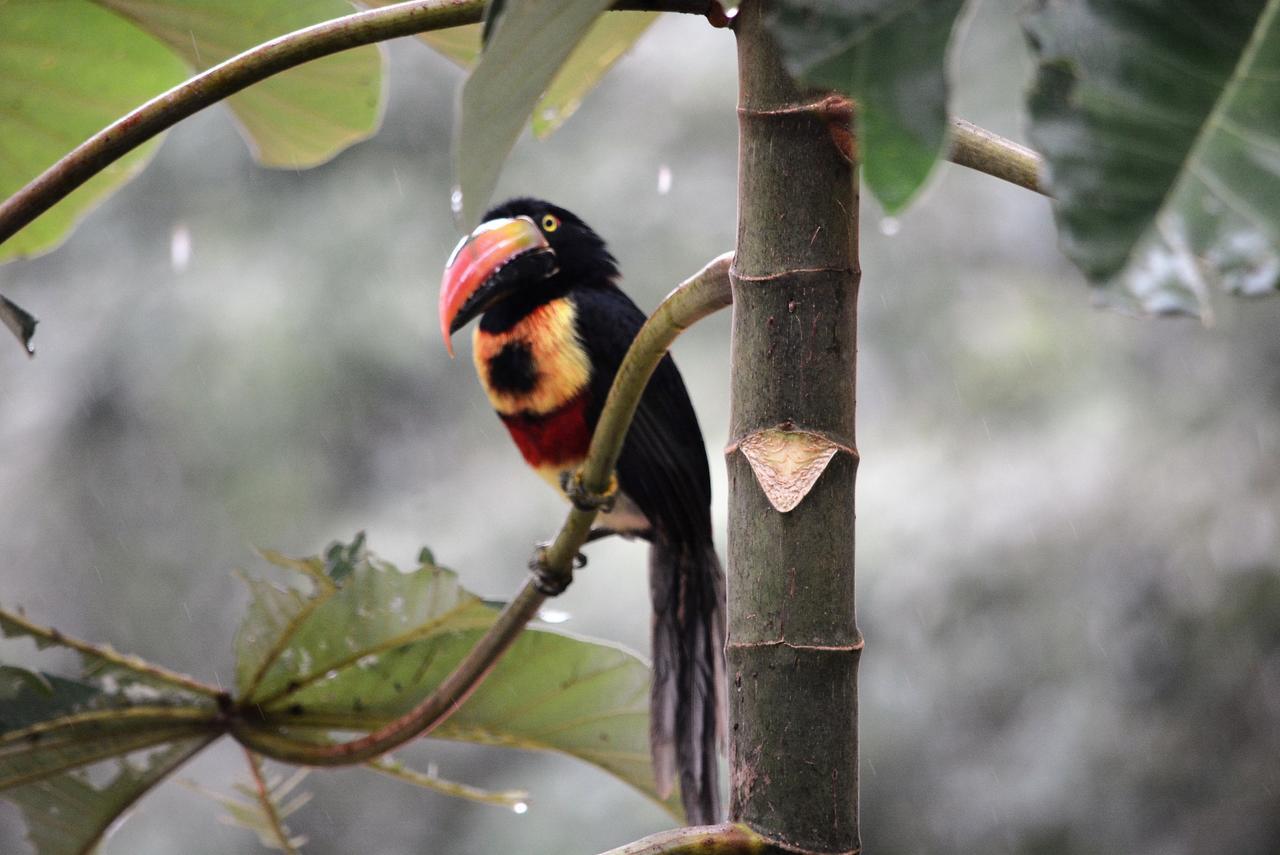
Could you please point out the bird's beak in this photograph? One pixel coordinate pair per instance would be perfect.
(486, 266)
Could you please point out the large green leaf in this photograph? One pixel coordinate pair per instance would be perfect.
(530, 42)
(112, 714)
(299, 118)
(1161, 126)
(889, 56)
(68, 68)
(68, 814)
(355, 655)
(609, 38)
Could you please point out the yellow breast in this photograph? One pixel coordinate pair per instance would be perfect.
(562, 368)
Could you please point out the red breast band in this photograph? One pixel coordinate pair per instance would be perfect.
(561, 437)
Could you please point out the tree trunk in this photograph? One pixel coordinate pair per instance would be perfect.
(793, 639)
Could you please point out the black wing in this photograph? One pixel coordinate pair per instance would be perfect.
(663, 465)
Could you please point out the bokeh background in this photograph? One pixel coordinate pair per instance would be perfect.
(1068, 518)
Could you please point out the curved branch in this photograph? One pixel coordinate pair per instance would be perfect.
(256, 64)
(725, 839)
(702, 294)
(980, 149)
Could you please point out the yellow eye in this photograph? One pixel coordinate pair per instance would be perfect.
(550, 223)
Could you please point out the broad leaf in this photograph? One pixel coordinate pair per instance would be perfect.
(299, 118)
(1161, 127)
(604, 44)
(68, 68)
(354, 656)
(128, 722)
(530, 43)
(110, 705)
(69, 813)
(55, 90)
(889, 56)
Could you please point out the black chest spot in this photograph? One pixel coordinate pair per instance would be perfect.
(513, 369)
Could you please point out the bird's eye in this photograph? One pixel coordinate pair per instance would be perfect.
(550, 223)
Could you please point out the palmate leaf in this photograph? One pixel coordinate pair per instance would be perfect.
(68, 68)
(125, 720)
(68, 814)
(889, 56)
(530, 43)
(354, 656)
(1160, 123)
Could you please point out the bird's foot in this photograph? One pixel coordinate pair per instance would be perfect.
(549, 582)
(585, 500)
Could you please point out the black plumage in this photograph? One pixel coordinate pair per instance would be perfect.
(662, 471)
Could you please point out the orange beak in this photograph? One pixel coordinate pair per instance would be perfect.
(488, 265)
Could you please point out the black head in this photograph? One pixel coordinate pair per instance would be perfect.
(525, 254)
(581, 255)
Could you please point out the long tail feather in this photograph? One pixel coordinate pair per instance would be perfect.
(687, 706)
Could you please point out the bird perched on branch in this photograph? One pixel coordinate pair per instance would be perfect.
(554, 327)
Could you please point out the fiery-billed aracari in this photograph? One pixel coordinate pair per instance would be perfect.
(554, 327)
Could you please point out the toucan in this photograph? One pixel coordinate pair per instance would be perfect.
(554, 327)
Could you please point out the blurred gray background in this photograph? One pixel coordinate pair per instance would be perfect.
(1068, 518)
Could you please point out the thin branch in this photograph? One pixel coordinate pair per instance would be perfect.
(725, 839)
(704, 293)
(980, 149)
(256, 64)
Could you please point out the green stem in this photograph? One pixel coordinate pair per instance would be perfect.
(502, 798)
(980, 149)
(256, 64)
(704, 293)
(726, 839)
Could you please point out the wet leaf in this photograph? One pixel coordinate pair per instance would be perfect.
(76, 751)
(354, 656)
(529, 45)
(299, 118)
(889, 56)
(69, 813)
(20, 322)
(1161, 128)
(605, 43)
(54, 93)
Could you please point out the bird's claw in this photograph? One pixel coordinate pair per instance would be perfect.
(547, 581)
(585, 500)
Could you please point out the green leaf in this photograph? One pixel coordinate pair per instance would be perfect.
(55, 92)
(351, 658)
(20, 322)
(460, 44)
(292, 638)
(609, 38)
(1161, 127)
(296, 119)
(69, 813)
(259, 805)
(889, 56)
(101, 662)
(530, 43)
(68, 68)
